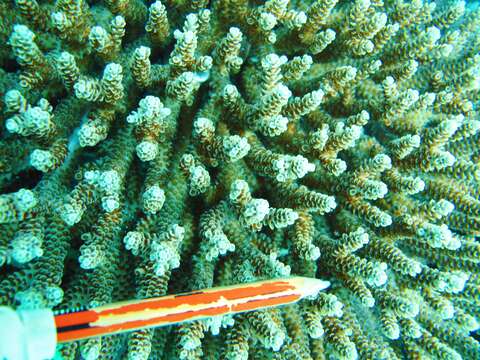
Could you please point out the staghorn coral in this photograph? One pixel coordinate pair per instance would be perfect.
(157, 147)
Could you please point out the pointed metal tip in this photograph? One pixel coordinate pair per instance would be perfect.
(310, 287)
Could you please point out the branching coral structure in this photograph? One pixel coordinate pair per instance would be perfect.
(154, 147)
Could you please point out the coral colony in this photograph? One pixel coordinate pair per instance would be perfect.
(154, 147)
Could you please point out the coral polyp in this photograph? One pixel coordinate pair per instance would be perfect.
(154, 147)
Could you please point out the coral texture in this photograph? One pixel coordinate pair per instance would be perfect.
(154, 147)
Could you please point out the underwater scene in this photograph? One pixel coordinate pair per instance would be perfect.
(239, 179)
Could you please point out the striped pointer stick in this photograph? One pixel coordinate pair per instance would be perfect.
(140, 314)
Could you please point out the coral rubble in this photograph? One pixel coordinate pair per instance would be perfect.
(153, 147)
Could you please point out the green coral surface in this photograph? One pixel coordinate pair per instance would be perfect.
(155, 147)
